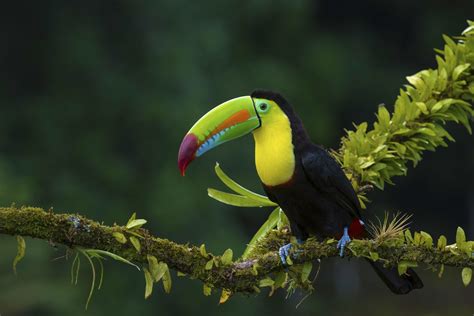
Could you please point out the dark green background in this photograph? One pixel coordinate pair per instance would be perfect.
(96, 96)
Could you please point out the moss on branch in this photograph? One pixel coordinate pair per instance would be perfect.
(73, 230)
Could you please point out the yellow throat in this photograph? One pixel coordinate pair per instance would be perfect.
(274, 156)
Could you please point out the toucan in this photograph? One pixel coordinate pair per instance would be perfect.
(300, 176)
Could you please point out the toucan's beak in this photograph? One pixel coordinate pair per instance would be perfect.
(227, 121)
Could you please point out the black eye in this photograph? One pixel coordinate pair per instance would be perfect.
(263, 106)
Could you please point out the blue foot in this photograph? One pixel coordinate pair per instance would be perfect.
(345, 239)
(283, 251)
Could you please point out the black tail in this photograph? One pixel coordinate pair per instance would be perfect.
(398, 284)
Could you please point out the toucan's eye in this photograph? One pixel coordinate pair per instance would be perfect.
(263, 106)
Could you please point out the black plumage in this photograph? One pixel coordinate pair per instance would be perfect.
(319, 200)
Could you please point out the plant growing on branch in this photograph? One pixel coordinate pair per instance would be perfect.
(370, 157)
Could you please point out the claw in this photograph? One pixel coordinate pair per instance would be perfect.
(345, 239)
(284, 252)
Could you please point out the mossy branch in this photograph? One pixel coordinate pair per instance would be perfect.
(73, 230)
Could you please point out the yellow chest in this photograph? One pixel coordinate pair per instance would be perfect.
(274, 156)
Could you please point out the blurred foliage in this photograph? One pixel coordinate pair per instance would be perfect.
(95, 98)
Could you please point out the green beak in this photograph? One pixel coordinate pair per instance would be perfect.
(227, 121)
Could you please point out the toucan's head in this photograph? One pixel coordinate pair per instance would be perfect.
(230, 120)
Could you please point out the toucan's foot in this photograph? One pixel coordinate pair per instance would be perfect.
(345, 239)
(284, 252)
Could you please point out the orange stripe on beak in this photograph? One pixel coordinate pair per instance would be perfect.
(232, 120)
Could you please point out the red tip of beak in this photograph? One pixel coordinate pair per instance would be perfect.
(187, 151)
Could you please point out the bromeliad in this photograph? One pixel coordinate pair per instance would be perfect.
(298, 175)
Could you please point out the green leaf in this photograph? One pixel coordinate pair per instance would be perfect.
(255, 269)
(402, 268)
(459, 70)
(442, 242)
(206, 289)
(383, 116)
(466, 275)
(282, 220)
(209, 264)
(306, 271)
(269, 224)
(237, 188)
(408, 236)
(132, 218)
(153, 267)
(136, 243)
(404, 265)
(374, 256)
(161, 271)
(266, 282)
(120, 237)
(427, 131)
(226, 258)
(21, 248)
(167, 280)
(203, 251)
(427, 239)
(233, 199)
(148, 283)
(422, 107)
(225, 295)
(111, 255)
(136, 223)
(417, 239)
(460, 237)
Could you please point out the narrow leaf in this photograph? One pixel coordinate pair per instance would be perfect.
(132, 218)
(136, 243)
(442, 242)
(306, 270)
(233, 199)
(148, 283)
(136, 223)
(153, 267)
(237, 188)
(203, 251)
(111, 255)
(167, 280)
(21, 247)
(269, 224)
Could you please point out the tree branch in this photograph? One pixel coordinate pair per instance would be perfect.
(73, 230)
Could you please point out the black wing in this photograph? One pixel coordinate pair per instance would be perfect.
(326, 175)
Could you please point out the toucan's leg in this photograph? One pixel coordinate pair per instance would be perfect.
(345, 239)
(284, 250)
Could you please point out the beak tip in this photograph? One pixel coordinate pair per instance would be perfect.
(187, 152)
(182, 169)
